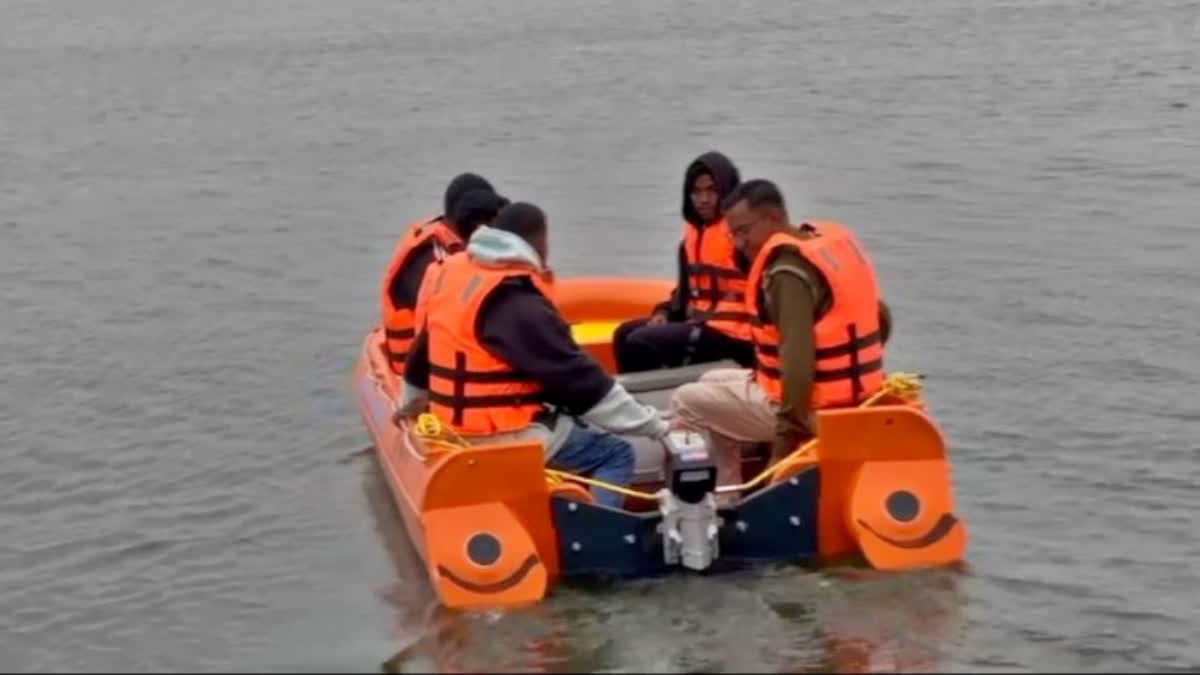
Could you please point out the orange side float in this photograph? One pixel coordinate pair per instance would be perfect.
(495, 529)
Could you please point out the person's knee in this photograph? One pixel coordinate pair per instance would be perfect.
(629, 356)
(620, 456)
(641, 339)
(685, 395)
(692, 402)
(699, 396)
(624, 330)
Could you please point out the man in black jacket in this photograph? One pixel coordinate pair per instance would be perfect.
(520, 327)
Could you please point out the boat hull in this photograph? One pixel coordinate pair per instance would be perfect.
(494, 532)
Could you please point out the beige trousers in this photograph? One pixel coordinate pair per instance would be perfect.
(730, 405)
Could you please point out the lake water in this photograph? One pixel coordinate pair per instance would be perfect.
(197, 200)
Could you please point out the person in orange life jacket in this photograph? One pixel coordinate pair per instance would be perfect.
(475, 209)
(407, 279)
(820, 342)
(497, 362)
(705, 318)
(423, 242)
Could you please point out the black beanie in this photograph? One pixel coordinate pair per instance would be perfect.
(462, 184)
(475, 208)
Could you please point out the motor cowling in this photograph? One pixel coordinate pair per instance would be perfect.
(688, 504)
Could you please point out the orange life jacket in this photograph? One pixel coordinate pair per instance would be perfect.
(398, 322)
(849, 347)
(716, 286)
(421, 311)
(469, 388)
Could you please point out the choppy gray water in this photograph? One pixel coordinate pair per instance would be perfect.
(197, 200)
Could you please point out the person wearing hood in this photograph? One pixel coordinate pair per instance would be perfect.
(705, 318)
(423, 242)
(496, 361)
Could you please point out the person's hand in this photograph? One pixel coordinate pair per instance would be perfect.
(658, 319)
(781, 447)
(788, 440)
(401, 418)
(409, 406)
(662, 429)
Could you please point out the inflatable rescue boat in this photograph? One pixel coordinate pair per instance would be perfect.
(495, 528)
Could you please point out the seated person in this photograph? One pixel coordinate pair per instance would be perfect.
(705, 318)
(496, 361)
(423, 242)
(821, 339)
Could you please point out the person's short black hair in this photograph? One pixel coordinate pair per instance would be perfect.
(459, 186)
(523, 219)
(757, 192)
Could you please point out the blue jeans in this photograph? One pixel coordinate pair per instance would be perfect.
(600, 455)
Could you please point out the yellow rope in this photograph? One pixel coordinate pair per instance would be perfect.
(903, 385)
(559, 476)
(431, 430)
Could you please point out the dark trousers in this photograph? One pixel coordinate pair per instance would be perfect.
(639, 347)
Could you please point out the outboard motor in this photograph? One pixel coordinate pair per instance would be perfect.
(688, 504)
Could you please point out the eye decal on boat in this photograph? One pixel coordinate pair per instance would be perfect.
(483, 549)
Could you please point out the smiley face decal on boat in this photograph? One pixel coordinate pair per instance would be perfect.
(485, 550)
(904, 506)
(902, 514)
(483, 554)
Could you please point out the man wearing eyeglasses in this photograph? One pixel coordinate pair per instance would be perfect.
(819, 332)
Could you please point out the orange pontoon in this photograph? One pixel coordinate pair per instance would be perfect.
(496, 529)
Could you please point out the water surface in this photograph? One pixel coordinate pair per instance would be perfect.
(197, 200)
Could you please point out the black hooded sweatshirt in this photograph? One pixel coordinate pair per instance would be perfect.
(725, 175)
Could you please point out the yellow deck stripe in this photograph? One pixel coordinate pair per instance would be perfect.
(594, 332)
